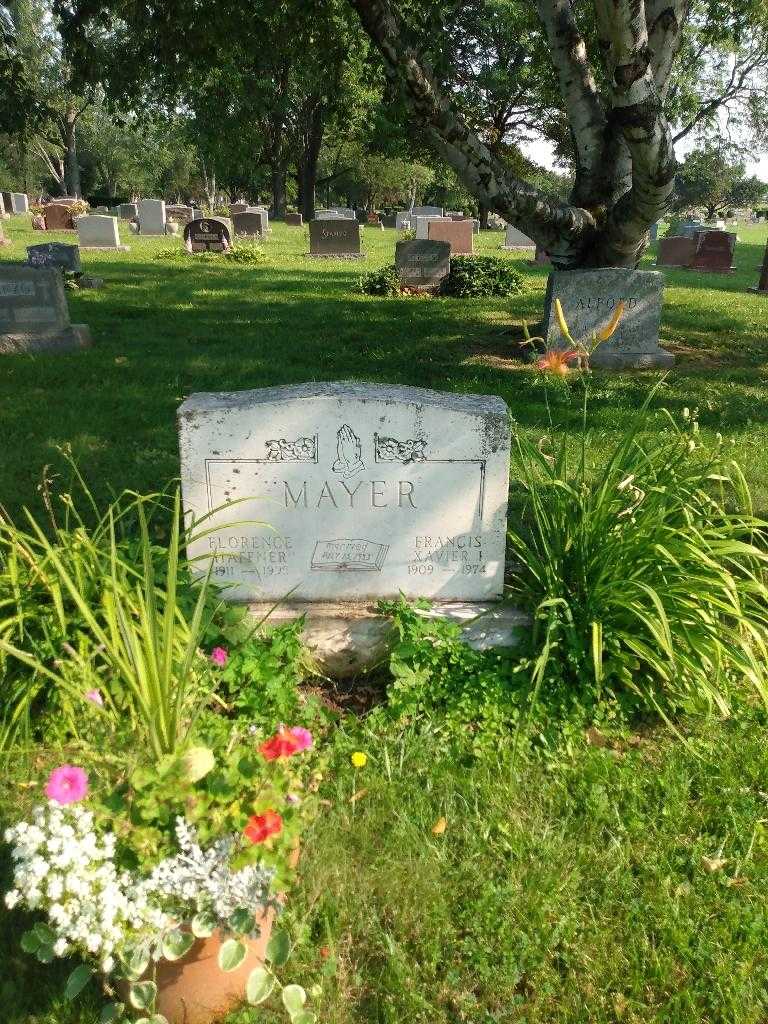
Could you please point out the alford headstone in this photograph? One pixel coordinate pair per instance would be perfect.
(589, 298)
(151, 216)
(339, 237)
(714, 252)
(348, 492)
(33, 312)
(421, 263)
(458, 233)
(211, 234)
(55, 254)
(515, 239)
(99, 232)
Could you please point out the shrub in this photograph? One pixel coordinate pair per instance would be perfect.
(481, 277)
(646, 577)
(249, 253)
(384, 281)
(245, 252)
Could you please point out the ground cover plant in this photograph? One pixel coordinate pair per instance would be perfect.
(480, 849)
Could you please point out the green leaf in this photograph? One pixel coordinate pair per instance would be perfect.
(203, 925)
(232, 954)
(260, 986)
(45, 935)
(242, 921)
(77, 981)
(30, 943)
(279, 948)
(304, 1017)
(142, 995)
(45, 953)
(111, 1012)
(177, 944)
(294, 998)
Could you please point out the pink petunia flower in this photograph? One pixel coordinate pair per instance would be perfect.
(219, 656)
(304, 737)
(67, 784)
(95, 698)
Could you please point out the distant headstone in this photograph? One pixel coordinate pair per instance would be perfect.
(264, 212)
(515, 239)
(388, 220)
(427, 211)
(403, 220)
(458, 233)
(99, 232)
(714, 252)
(294, 220)
(422, 264)
(237, 208)
(762, 285)
(339, 237)
(653, 232)
(6, 198)
(369, 491)
(589, 298)
(250, 223)
(58, 217)
(128, 211)
(55, 254)
(345, 212)
(151, 216)
(676, 251)
(179, 214)
(211, 234)
(421, 223)
(19, 202)
(690, 228)
(33, 312)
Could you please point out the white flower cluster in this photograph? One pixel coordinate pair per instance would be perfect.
(61, 866)
(204, 879)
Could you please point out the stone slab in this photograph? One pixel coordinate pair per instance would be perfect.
(427, 211)
(98, 231)
(420, 224)
(55, 254)
(676, 251)
(515, 239)
(151, 215)
(128, 211)
(422, 263)
(250, 223)
(347, 639)
(210, 234)
(714, 252)
(348, 492)
(589, 298)
(58, 217)
(294, 220)
(339, 237)
(458, 234)
(34, 316)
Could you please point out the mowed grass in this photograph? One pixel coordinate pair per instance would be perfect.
(164, 329)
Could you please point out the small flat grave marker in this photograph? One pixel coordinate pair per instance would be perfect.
(422, 263)
(348, 491)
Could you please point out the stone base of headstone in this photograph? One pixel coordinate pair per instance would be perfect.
(348, 638)
(86, 281)
(73, 337)
(335, 255)
(105, 248)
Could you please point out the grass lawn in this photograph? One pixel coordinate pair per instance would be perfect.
(620, 882)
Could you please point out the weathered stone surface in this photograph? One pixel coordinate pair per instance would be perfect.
(340, 237)
(421, 223)
(151, 216)
(127, 211)
(179, 215)
(33, 312)
(458, 234)
(427, 211)
(55, 254)
(589, 297)
(58, 217)
(676, 251)
(237, 208)
(352, 491)
(714, 252)
(403, 220)
(211, 234)
(99, 232)
(347, 639)
(250, 223)
(515, 239)
(16, 202)
(422, 263)
(294, 220)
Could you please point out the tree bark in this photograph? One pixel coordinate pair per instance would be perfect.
(625, 163)
(279, 175)
(69, 136)
(309, 161)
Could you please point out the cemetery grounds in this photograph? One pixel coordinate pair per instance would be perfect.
(617, 876)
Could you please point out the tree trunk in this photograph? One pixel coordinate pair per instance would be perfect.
(483, 216)
(310, 157)
(278, 191)
(622, 145)
(70, 154)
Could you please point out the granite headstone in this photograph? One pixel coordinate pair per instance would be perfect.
(340, 237)
(422, 264)
(33, 312)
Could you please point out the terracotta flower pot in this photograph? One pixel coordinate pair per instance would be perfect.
(194, 990)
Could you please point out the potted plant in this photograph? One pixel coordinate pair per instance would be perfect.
(163, 876)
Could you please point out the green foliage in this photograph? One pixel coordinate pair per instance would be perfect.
(384, 281)
(481, 277)
(243, 253)
(646, 575)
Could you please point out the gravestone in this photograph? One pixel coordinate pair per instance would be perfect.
(676, 251)
(515, 239)
(403, 220)
(458, 234)
(264, 212)
(128, 211)
(151, 216)
(762, 285)
(237, 208)
(210, 234)
(99, 232)
(589, 298)
(714, 252)
(58, 217)
(421, 223)
(339, 237)
(294, 220)
(653, 232)
(348, 492)
(33, 312)
(388, 220)
(422, 264)
(179, 214)
(249, 223)
(542, 257)
(19, 202)
(427, 211)
(55, 254)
